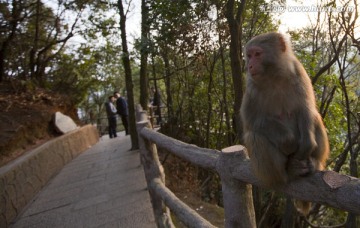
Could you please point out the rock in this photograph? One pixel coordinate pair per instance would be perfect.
(64, 123)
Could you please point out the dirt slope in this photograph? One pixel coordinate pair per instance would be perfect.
(26, 116)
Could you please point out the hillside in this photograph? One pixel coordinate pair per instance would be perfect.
(25, 117)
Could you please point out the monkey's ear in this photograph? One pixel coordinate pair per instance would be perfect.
(282, 43)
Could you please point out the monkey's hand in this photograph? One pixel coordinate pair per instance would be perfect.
(299, 168)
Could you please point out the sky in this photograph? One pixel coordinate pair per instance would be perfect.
(133, 21)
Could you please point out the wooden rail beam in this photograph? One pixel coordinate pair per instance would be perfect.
(187, 215)
(324, 187)
(205, 158)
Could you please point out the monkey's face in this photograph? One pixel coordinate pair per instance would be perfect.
(254, 60)
(265, 57)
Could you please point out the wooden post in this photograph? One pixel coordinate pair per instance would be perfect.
(140, 114)
(151, 113)
(237, 195)
(153, 170)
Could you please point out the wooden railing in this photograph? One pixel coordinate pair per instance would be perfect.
(157, 118)
(233, 166)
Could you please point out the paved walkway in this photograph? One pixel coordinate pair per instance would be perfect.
(103, 187)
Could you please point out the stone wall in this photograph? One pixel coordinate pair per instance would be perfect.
(23, 178)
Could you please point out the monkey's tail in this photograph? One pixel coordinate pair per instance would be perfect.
(303, 207)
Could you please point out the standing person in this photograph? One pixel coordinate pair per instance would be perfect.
(122, 110)
(111, 115)
(156, 102)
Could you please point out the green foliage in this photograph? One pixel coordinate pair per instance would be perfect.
(334, 120)
(24, 32)
(188, 35)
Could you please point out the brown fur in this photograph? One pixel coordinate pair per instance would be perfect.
(283, 131)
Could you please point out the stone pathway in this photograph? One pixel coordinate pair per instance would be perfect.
(103, 187)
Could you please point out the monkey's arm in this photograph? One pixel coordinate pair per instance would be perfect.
(306, 113)
(307, 141)
(279, 134)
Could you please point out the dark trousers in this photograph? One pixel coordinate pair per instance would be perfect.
(158, 114)
(112, 126)
(124, 120)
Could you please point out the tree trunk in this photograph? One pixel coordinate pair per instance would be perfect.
(144, 49)
(169, 100)
(34, 49)
(224, 95)
(209, 97)
(235, 26)
(128, 78)
(15, 13)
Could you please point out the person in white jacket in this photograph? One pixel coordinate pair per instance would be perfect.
(111, 115)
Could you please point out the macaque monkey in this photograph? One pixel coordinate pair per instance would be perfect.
(283, 131)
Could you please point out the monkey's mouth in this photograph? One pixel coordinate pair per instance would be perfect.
(254, 72)
(255, 75)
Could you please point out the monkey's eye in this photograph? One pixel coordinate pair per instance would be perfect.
(257, 54)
